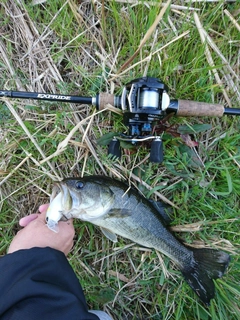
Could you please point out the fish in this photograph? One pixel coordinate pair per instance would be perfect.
(120, 210)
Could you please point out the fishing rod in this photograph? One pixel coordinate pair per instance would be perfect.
(144, 101)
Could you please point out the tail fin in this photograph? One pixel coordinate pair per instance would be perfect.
(207, 264)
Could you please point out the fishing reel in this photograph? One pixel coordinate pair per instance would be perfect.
(143, 101)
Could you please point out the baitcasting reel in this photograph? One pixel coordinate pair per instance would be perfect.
(144, 101)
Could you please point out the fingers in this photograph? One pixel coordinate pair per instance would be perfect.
(26, 220)
(64, 226)
(23, 222)
(36, 234)
(43, 207)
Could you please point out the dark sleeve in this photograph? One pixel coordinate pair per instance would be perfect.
(39, 283)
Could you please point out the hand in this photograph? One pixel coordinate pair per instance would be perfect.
(36, 233)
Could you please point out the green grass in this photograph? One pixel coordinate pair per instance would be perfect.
(127, 281)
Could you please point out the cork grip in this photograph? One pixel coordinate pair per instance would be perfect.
(188, 108)
(104, 99)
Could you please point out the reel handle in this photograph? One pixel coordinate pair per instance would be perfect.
(114, 149)
(156, 152)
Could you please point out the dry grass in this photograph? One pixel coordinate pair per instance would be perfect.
(91, 46)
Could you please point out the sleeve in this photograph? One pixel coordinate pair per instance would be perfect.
(39, 283)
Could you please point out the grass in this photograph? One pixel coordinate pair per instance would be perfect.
(72, 48)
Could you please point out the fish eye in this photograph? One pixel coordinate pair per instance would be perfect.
(79, 184)
(46, 219)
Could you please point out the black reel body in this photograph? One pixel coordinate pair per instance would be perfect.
(143, 101)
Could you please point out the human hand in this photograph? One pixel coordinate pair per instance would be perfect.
(36, 233)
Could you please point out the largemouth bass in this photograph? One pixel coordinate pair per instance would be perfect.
(120, 210)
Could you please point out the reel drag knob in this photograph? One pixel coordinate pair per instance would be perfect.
(114, 148)
(156, 153)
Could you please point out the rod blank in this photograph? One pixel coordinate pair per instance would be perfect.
(232, 111)
(46, 96)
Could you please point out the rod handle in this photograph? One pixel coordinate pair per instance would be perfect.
(103, 99)
(188, 108)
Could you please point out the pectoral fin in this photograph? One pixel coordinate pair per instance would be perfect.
(109, 234)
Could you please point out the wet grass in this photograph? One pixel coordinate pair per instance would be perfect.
(71, 48)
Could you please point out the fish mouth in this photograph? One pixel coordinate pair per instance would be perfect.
(57, 188)
(64, 196)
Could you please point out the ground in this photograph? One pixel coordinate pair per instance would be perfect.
(86, 47)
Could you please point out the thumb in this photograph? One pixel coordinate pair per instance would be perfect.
(43, 208)
(26, 220)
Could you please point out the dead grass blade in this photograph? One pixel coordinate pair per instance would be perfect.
(82, 22)
(197, 226)
(48, 173)
(155, 4)
(78, 36)
(15, 169)
(173, 40)
(63, 145)
(219, 53)
(147, 36)
(119, 276)
(234, 21)
(92, 150)
(209, 58)
(10, 68)
(148, 58)
(21, 123)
